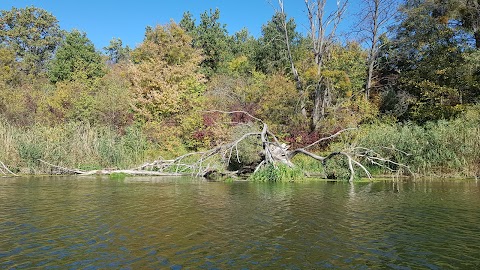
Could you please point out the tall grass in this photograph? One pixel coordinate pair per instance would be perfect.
(74, 145)
(277, 173)
(444, 148)
(8, 149)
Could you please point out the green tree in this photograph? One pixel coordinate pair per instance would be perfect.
(243, 47)
(165, 73)
(116, 52)
(211, 36)
(344, 76)
(113, 99)
(33, 34)
(322, 37)
(9, 74)
(70, 101)
(272, 54)
(433, 61)
(469, 16)
(188, 23)
(278, 101)
(76, 59)
(244, 44)
(20, 102)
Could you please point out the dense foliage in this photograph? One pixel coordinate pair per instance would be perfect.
(412, 86)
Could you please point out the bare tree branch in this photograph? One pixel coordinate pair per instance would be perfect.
(375, 16)
(328, 138)
(273, 153)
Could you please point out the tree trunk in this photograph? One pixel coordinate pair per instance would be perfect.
(322, 101)
(298, 84)
(477, 39)
(318, 108)
(368, 85)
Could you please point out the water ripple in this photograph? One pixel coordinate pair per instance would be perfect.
(96, 223)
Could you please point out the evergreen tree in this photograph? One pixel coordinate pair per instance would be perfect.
(271, 55)
(211, 36)
(116, 52)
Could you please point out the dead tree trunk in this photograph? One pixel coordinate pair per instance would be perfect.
(376, 15)
(322, 32)
(298, 81)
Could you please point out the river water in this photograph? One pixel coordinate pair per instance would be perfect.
(183, 223)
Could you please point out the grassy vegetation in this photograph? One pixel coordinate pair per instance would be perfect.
(74, 145)
(278, 173)
(64, 102)
(117, 176)
(335, 168)
(443, 148)
(446, 148)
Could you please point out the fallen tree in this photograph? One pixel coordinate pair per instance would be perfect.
(272, 153)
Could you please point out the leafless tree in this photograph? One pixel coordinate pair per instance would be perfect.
(376, 15)
(322, 31)
(323, 27)
(296, 76)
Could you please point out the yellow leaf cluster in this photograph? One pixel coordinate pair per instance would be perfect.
(165, 75)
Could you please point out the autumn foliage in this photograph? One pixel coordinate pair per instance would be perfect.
(169, 89)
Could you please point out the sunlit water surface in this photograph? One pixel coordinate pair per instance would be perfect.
(182, 223)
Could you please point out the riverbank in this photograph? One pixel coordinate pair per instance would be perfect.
(445, 149)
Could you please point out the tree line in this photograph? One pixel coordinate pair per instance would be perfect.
(412, 61)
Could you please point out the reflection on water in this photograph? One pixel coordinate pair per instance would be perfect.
(189, 223)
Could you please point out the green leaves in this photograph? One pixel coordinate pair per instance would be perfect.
(271, 56)
(8, 67)
(33, 34)
(433, 60)
(166, 75)
(212, 38)
(76, 59)
(116, 52)
(166, 82)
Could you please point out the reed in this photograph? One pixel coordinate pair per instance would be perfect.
(277, 173)
(443, 148)
(73, 145)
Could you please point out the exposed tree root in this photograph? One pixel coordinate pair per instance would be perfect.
(206, 163)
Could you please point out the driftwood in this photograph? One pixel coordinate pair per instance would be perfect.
(206, 163)
(64, 170)
(5, 170)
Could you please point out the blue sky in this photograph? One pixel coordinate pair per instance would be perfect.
(104, 19)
